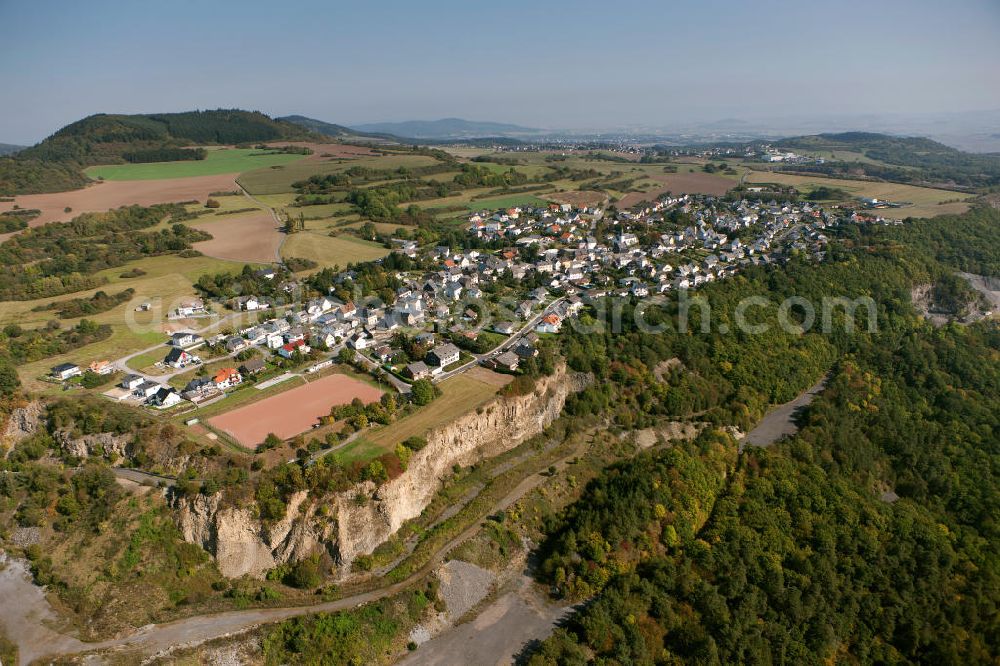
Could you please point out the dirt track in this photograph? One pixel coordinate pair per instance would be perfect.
(114, 193)
(497, 634)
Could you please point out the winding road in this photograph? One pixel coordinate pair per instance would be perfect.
(26, 623)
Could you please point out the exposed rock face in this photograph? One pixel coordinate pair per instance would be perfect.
(23, 422)
(503, 424)
(104, 443)
(243, 545)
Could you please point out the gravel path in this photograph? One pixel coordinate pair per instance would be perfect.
(495, 636)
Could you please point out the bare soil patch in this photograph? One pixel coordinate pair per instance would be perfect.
(252, 238)
(289, 413)
(681, 183)
(106, 195)
(663, 368)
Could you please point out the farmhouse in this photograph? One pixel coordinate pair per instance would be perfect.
(164, 397)
(550, 324)
(189, 309)
(288, 350)
(235, 343)
(198, 386)
(101, 367)
(226, 378)
(506, 361)
(504, 327)
(145, 390)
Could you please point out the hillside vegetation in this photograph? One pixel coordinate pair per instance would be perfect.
(903, 159)
(56, 163)
(868, 537)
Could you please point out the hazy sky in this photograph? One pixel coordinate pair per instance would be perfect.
(544, 63)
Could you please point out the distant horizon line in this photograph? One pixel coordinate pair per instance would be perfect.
(756, 121)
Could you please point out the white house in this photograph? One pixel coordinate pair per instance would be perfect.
(64, 371)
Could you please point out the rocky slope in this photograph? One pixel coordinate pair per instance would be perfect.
(368, 514)
(23, 422)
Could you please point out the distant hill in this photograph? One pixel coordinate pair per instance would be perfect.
(56, 163)
(908, 159)
(446, 128)
(9, 148)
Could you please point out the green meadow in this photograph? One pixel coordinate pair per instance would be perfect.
(227, 160)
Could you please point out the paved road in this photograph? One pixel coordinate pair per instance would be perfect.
(505, 345)
(122, 363)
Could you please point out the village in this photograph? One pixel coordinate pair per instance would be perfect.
(525, 273)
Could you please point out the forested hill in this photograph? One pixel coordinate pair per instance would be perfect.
(99, 138)
(8, 148)
(55, 164)
(898, 158)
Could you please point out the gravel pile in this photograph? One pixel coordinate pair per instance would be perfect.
(463, 585)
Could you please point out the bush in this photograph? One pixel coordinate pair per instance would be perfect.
(423, 392)
(305, 574)
(415, 443)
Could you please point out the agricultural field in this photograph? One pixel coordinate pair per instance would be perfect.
(279, 179)
(459, 395)
(226, 160)
(243, 237)
(507, 201)
(331, 250)
(924, 201)
(294, 411)
(381, 227)
(99, 197)
(579, 199)
(691, 182)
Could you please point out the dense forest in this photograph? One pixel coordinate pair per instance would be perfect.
(803, 559)
(56, 163)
